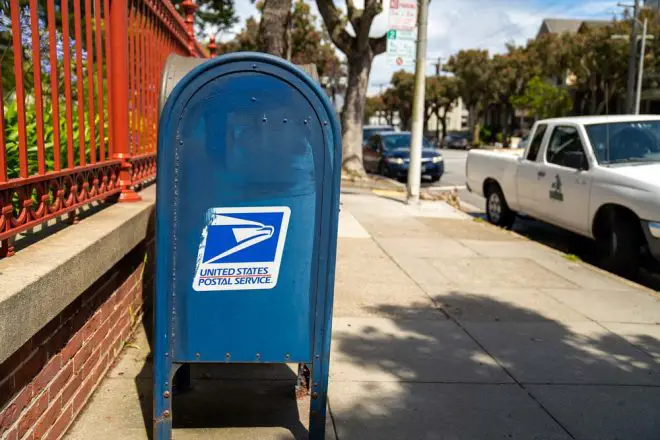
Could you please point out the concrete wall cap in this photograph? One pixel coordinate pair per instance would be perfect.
(40, 281)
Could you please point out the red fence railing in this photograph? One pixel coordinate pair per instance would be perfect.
(79, 102)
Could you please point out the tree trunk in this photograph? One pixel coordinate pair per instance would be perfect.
(274, 34)
(427, 118)
(593, 103)
(476, 133)
(437, 127)
(359, 67)
(443, 121)
(474, 124)
(609, 94)
(507, 126)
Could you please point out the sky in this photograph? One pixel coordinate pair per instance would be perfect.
(467, 24)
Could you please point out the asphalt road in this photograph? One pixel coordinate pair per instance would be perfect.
(454, 177)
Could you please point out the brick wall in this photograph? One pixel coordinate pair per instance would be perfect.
(46, 383)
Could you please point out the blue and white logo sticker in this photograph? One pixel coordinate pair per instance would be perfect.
(241, 248)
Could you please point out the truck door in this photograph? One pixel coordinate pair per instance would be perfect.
(566, 185)
(529, 173)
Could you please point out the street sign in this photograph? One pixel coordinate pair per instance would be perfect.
(401, 48)
(401, 37)
(403, 14)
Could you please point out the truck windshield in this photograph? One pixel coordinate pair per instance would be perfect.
(625, 142)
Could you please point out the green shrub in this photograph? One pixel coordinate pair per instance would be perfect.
(11, 136)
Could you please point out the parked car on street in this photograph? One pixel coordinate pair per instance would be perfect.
(370, 130)
(388, 154)
(596, 176)
(460, 140)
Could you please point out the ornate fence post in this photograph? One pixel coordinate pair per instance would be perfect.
(119, 97)
(212, 47)
(189, 8)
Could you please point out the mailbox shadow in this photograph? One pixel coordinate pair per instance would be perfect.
(228, 396)
(425, 404)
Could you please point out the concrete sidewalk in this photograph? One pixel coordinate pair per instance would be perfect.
(445, 328)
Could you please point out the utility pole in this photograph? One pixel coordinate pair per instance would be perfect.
(642, 51)
(632, 52)
(415, 163)
(438, 65)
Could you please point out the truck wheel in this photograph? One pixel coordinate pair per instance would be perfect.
(622, 246)
(497, 210)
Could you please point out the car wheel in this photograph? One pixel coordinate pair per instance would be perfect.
(497, 210)
(435, 179)
(622, 246)
(382, 169)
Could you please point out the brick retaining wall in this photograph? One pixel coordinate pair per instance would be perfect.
(46, 383)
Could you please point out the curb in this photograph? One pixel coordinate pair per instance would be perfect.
(369, 184)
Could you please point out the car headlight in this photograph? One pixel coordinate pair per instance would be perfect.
(395, 160)
(654, 229)
(437, 159)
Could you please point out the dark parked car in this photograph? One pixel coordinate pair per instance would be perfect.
(370, 130)
(462, 140)
(388, 153)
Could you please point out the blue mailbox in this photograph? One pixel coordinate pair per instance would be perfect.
(249, 162)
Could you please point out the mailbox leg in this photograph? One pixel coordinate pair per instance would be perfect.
(162, 418)
(319, 400)
(162, 383)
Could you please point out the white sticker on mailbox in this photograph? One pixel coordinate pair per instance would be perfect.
(241, 248)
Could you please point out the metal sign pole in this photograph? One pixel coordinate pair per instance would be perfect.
(415, 165)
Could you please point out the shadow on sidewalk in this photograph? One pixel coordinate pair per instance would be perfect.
(573, 244)
(228, 396)
(420, 375)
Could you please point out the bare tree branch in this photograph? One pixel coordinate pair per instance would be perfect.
(335, 25)
(354, 15)
(371, 9)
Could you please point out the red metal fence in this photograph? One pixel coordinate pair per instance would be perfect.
(79, 101)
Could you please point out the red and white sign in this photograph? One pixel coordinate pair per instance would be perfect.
(403, 15)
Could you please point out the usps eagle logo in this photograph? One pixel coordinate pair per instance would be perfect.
(241, 248)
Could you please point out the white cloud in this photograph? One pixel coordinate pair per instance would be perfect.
(463, 24)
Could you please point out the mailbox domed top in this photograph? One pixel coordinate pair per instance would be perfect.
(180, 73)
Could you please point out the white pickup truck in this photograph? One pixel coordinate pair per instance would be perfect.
(596, 176)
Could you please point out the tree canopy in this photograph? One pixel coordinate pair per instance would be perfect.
(581, 73)
(212, 16)
(543, 100)
(309, 43)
